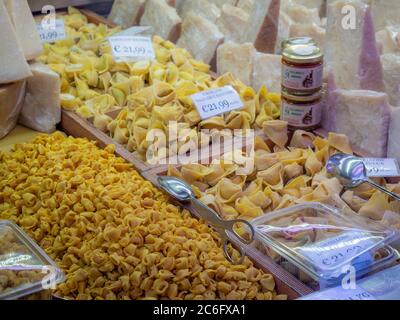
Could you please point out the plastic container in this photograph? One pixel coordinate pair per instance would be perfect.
(320, 245)
(26, 271)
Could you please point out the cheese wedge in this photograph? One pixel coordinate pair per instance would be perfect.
(11, 99)
(391, 77)
(245, 5)
(127, 13)
(232, 22)
(263, 24)
(389, 39)
(363, 116)
(285, 24)
(394, 129)
(200, 37)
(302, 14)
(41, 109)
(25, 28)
(163, 18)
(267, 70)
(13, 66)
(320, 5)
(385, 13)
(309, 30)
(352, 52)
(204, 8)
(237, 59)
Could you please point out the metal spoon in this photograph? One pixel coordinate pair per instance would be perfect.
(351, 171)
(182, 192)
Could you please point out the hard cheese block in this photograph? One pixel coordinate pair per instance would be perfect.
(127, 12)
(267, 70)
(232, 22)
(11, 99)
(389, 39)
(394, 139)
(363, 116)
(41, 109)
(391, 76)
(351, 52)
(13, 66)
(262, 28)
(25, 28)
(284, 27)
(385, 13)
(237, 59)
(200, 37)
(302, 14)
(309, 30)
(205, 8)
(163, 18)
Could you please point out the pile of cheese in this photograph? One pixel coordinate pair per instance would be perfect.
(29, 91)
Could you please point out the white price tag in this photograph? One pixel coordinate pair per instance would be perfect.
(384, 168)
(50, 33)
(132, 48)
(214, 102)
(337, 250)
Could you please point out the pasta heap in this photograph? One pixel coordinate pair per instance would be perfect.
(112, 233)
(150, 93)
(283, 177)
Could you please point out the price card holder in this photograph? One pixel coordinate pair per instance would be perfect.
(51, 33)
(132, 48)
(214, 102)
(384, 168)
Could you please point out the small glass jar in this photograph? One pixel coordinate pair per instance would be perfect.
(302, 112)
(302, 68)
(298, 40)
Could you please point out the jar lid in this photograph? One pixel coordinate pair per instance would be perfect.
(301, 98)
(302, 53)
(297, 40)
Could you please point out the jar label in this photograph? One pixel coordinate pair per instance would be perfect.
(302, 78)
(301, 116)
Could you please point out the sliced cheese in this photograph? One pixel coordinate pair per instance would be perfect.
(267, 71)
(127, 13)
(237, 59)
(394, 140)
(232, 22)
(11, 98)
(363, 116)
(263, 24)
(163, 18)
(204, 8)
(13, 66)
(309, 30)
(200, 37)
(389, 39)
(245, 5)
(352, 52)
(41, 109)
(25, 28)
(391, 77)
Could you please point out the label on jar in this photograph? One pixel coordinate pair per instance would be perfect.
(51, 33)
(302, 78)
(132, 48)
(301, 116)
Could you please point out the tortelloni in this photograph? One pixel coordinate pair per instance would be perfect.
(114, 235)
(284, 177)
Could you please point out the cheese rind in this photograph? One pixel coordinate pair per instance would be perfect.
(11, 99)
(25, 28)
(267, 70)
(127, 13)
(232, 22)
(41, 109)
(237, 59)
(13, 66)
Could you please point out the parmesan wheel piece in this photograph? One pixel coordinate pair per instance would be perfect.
(127, 13)
(11, 99)
(237, 59)
(13, 66)
(309, 30)
(204, 8)
(267, 70)
(200, 37)
(163, 18)
(232, 22)
(391, 77)
(41, 109)
(352, 52)
(25, 28)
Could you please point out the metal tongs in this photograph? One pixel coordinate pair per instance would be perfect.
(182, 192)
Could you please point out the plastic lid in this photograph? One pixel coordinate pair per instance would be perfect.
(320, 240)
(301, 98)
(24, 267)
(302, 53)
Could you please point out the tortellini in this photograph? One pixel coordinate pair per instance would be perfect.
(113, 234)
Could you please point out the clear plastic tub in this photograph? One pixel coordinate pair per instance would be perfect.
(26, 271)
(320, 245)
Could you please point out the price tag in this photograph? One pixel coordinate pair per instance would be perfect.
(214, 102)
(384, 168)
(132, 48)
(335, 251)
(50, 33)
